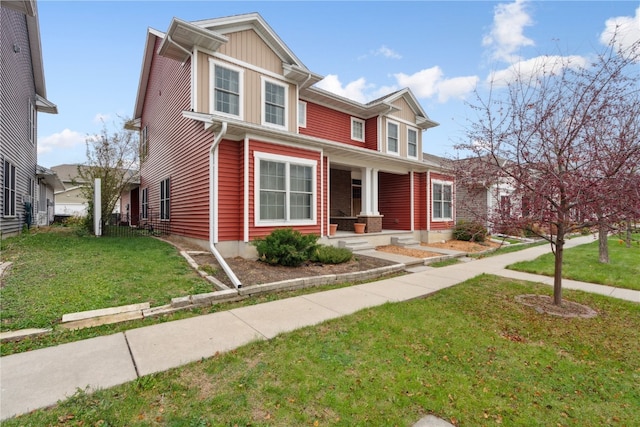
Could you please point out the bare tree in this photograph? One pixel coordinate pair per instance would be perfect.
(564, 138)
(112, 156)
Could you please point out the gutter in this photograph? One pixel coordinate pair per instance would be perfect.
(212, 209)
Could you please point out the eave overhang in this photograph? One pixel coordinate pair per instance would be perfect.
(346, 105)
(49, 177)
(339, 153)
(182, 37)
(45, 106)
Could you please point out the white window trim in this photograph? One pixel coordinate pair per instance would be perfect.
(410, 129)
(258, 156)
(168, 218)
(302, 114)
(144, 202)
(212, 85)
(395, 153)
(12, 190)
(441, 182)
(263, 80)
(33, 122)
(362, 122)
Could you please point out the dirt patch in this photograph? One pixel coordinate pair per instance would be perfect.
(544, 304)
(251, 272)
(415, 253)
(462, 246)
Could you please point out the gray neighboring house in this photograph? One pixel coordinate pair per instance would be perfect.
(27, 190)
(69, 200)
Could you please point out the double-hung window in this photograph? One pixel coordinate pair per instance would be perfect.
(33, 123)
(144, 144)
(442, 201)
(392, 137)
(286, 190)
(226, 82)
(165, 198)
(302, 114)
(145, 203)
(412, 143)
(274, 105)
(357, 129)
(9, 188)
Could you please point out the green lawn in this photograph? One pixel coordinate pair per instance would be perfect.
(470, 354)
(581, 263)
(59, 272)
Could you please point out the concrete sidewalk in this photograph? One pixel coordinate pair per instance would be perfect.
(41, 378)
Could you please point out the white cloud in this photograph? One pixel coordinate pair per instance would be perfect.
(62, 140)
(457, 88)
(423, 83)
(354, 90)
(535, 67)
(382, 51)
(506, 35)
(101, 118)
(626, 29)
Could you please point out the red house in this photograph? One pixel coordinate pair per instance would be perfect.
(237, 141)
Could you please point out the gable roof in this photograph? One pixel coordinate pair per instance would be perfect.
(30, 9)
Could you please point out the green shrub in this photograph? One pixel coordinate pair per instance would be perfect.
(286, 246)
(331, 255)
(469, 231)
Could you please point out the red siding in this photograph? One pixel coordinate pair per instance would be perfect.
(230, 190)
(371, 134)
(440, 225)
(284, 151)
(394, 198)
(323, 122)
(178, 149)
(420, 200)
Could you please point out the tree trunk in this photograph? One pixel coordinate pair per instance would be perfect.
(557, 274)
(603, 245)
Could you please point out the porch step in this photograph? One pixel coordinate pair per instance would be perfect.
(404, 241)
(355, 245)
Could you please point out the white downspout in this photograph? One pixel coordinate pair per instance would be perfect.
(212, 209)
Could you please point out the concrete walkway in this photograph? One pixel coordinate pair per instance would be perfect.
(41, 378)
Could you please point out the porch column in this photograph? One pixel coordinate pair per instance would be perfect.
(370, 214)
(367, 203)
(374, 192)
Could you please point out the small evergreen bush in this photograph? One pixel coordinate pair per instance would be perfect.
(286, 246)
(469, 231)
(331, 255)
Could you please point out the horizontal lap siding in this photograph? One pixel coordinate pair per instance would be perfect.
(282, 150)
(178, 149)
(323, 122)
(440, 225)
(420, 200)
(230, 191)
(394, 197)
(371, 134)
(18, 87)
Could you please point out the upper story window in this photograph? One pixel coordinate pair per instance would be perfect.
(357, 129)
(392, 137)
(412, 143)
(33, 123)
(274, 111)
(226, 82)
(9, 188)
(302, 114)
(144, 144)
(165, 198)
(442, 201)
(286, 190)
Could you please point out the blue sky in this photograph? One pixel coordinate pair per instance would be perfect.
(92, 52)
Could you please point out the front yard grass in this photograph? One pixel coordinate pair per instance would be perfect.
(581, 263)
(469, 354)
(58, 271)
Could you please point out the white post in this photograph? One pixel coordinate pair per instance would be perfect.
(97, 207)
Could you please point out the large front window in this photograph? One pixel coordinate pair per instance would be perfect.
(9, 187)
(165, 198)
(275, 104)
(442, 201)
(227, 89)
(286, 190)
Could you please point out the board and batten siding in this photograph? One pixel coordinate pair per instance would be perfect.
(18, 90)
(178, 149)
(284, 150)
(394, 197)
